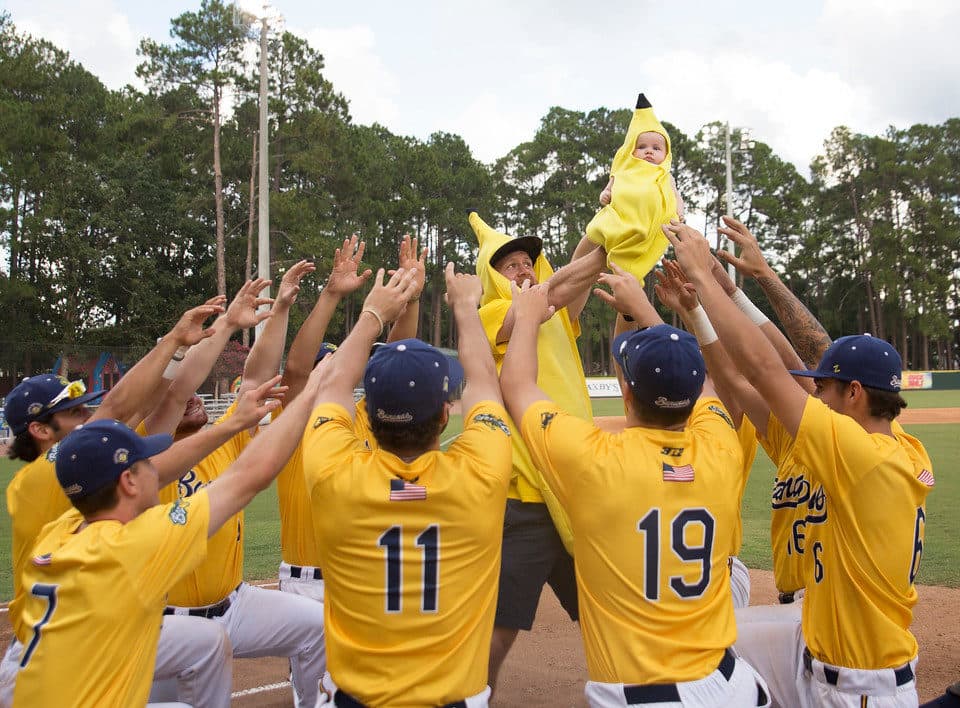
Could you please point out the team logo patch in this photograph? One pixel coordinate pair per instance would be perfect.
(547, 418)
(52, 453)
(723, 414)
(321, 419)
(34, 408)
(492, 422)
(121, 456)
(895, 381)
(178, 513)
(836, 368)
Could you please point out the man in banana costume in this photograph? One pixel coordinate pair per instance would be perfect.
(640, 196)
(537, 540)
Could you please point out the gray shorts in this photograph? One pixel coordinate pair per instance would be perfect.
(533, 555)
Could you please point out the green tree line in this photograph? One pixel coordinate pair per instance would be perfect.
(118, 209)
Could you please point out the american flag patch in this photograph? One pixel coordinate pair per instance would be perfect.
(926, 476)
(401, 490)
(681, 473)
(45, 559)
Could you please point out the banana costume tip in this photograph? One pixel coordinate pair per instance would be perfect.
(642, 102)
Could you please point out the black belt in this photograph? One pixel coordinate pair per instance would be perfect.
(306, 573)
(667, 692)
(342, 699)
(903, 675)
(218, 610)
(786, 598)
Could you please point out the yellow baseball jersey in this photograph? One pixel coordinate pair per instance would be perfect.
(747, 435)
(791, 500)
(34, 499)
(298, 543)
(864, 539)
(653, 514)
(411, 557)
(222, 570)
(94, 603)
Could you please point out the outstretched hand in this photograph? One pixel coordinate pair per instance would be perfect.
(388, 299)
(257, 402)
(691, 248)
(242, 312)
(625, 291)
(751, 261)
(462, 288)
(189, 328)
(290, 284)
(531, 302)
(409, 260)
(673, 290)
(345, 277)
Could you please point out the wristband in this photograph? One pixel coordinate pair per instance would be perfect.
(375, 314)
(702, 329)
(741, 300)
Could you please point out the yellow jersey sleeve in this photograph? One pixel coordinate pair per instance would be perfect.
(474, 443)
(330, 434)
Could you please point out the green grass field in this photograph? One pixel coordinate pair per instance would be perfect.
(941, 558)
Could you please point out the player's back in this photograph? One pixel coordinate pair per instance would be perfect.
(411, 556)
(93, 604)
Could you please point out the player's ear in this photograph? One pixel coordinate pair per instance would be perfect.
(127, 483)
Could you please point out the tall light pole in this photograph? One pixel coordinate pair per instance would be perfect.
(728, 148)
(263, 208)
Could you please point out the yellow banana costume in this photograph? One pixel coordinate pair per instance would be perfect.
(642, 200)
(560, 373)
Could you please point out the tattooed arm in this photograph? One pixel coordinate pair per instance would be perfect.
(806, 333)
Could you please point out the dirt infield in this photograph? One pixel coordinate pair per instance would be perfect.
(546, 666)
(914, 416)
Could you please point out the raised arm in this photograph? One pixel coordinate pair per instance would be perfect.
(570, 286)
(129, 397)
(748, 348)
(263, 362)
(463, 297)
(262, 459)
(196, 366)
(346, 365)
(808, 336)
(345, 278)
(254, 404)
(518, 375)
(626, 296)
(407, 323)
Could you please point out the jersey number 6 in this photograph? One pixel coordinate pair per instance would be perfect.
(649, 526)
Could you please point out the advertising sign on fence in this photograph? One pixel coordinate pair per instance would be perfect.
(603, 387)
(916, 379)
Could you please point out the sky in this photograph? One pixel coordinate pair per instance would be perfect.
(489, 71)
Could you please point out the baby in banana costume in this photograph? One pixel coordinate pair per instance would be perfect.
(640, 197)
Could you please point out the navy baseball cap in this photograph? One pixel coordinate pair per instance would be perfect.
(325, 348)
(663, 366)
(859, 357)
(409, 381)
(41, 396)
(96, 454)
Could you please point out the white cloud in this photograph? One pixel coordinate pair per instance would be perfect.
(492, 129)
(95, 33)
(358, 71)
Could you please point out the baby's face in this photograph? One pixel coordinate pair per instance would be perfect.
(651, 147)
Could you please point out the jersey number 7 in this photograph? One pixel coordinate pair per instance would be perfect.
(49, 592)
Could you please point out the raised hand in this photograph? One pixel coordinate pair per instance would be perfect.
(189, 328)
(290, 283)
(673, 290)
(721, 276)
(691, 249)
(387, 300)
(625, 291)
(258, 402)
(531, 301)
(462, 288)
(345, 277)
(409, 260)
(751, 261)
(242, 312)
